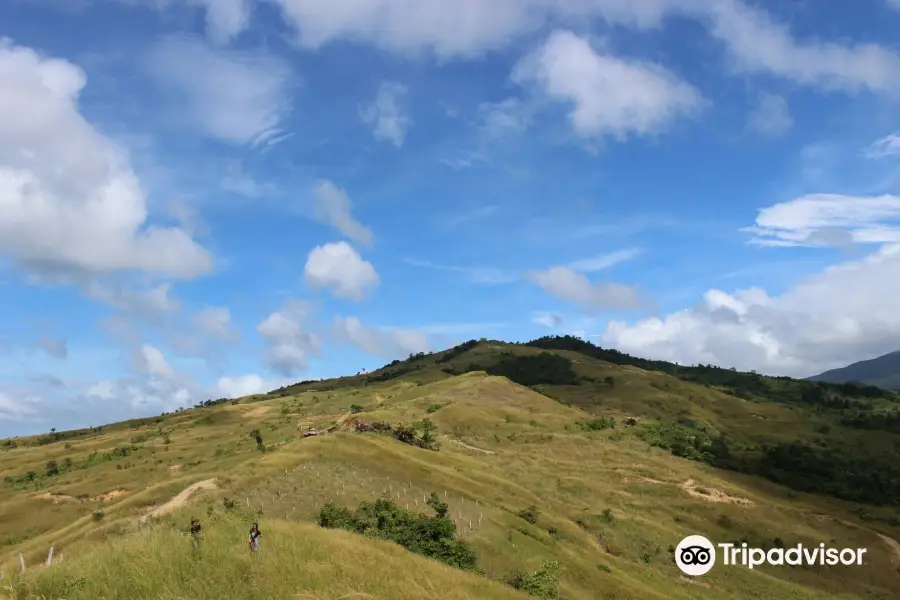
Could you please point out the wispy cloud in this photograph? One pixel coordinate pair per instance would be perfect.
(475, 274)
(605, 261)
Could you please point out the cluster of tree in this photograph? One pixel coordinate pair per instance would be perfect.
(747, 385)
(389, 374)
(456, 351)
(431, 536)
(884, 421)
(799, 466)
(209, 403)
(529, 370)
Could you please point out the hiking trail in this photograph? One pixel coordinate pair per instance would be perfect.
(181, 498)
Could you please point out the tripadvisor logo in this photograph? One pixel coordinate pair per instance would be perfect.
(695, 555)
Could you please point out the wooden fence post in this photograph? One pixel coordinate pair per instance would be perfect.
(50, 556)
(22, 563)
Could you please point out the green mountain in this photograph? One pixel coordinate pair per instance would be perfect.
(883, 371)
(550, 469)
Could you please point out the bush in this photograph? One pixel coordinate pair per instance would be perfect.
(541, 584)
(599, 424)
(433, 537)
(530, 514)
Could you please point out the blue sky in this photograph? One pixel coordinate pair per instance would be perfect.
(206, 198)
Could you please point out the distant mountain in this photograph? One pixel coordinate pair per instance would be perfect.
(883, 371)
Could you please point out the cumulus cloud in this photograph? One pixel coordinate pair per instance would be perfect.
(567, 285)
(814, 326)
(608, 95)
(341, 269)
(887, 146)
(384, 343)
(152, 362)
(333, 206)
(755, 42)
(24, 408)
(385, 115)
(829, 220)
(56, 348)
(550, 320)
(238, 387)
(771, 117)
(69, 200)
(225, 19)
(234, 96)
(215, 321)
(289, 343)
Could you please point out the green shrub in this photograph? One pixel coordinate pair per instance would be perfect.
(429, 536)
(541, 584)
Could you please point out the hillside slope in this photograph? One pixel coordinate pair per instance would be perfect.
(527, 479)
(883, 371)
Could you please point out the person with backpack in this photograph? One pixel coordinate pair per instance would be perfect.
(195, 533)
(255, 534)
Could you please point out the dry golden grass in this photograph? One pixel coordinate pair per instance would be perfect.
(504, 448)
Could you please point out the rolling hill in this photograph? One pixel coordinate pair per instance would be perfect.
(883, 371)
(558, 470)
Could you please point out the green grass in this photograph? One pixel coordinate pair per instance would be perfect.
(608, 504)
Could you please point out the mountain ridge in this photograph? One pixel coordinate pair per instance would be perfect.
(882, 371)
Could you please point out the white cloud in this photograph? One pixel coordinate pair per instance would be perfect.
(289, 342)
(152, 361)
(385, 115)
(238, 387)
(104, 390)
(145, 302)
(885, 147)
(772, 116)
(609, 95)
(500, 119)
(758, 44)
(565, 284)
(225, 19)
(828, 220)
(341, 269)
(54, 347)
(234, 96)
(475, 274)
(844, 314)
(550, 320)
(385, 343)
(605, 261)
(22, 409)
(466, 27)
(333, 207)
(216, 321)
(469, 28)
(69, 200)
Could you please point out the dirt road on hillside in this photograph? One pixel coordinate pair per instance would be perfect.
(181, 499)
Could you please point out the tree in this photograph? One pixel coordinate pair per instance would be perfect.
(258, 438)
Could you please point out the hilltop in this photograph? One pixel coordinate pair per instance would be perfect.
(565, 471)
(883, 371)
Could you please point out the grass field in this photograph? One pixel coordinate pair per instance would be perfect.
(609, 506)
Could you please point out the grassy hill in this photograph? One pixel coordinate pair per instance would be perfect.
(530, 450)
(883, 371)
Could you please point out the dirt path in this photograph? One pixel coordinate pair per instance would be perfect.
(712, 494)
(181, 499)
(894, 546)
(465, 445)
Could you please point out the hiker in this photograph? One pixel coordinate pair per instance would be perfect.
(195, 533)
(255, 534)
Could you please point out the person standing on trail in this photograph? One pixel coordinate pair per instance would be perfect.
(195, 533)
(255, 534)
